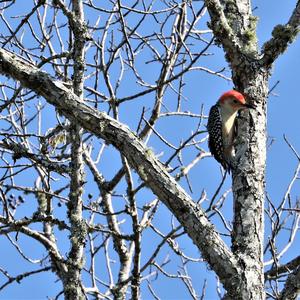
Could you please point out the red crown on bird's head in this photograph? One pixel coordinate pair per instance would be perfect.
(233, 94)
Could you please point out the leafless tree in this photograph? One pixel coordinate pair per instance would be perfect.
(89, 95)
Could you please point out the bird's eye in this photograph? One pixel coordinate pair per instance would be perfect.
(235, 101)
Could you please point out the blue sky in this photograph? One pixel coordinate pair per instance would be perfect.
(283, 118)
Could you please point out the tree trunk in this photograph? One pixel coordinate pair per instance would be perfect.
(234, 27)
(249, 186)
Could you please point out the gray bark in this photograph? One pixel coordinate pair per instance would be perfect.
(234, 27)
(292, 286)
(240, 270)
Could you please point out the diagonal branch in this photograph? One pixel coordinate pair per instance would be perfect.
(291, 288)
(149, 168)
(279, 270)
(282, 36)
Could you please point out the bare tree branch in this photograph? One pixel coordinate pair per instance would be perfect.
(282, 36)
(146, 165)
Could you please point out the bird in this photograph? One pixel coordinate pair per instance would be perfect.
(221, 126)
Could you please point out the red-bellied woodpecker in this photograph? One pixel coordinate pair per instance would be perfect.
(222, 128)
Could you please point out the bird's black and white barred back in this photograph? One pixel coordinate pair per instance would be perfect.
(215, 140)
